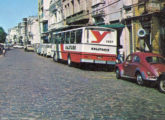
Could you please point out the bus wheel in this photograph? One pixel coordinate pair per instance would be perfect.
(69, 61)
(55, 58)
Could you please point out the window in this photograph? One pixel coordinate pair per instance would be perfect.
(58, 38)
(53, 38)
(155, 60)
(67, 38)
(136, 59)
(45, 26)
(62, 38)
(129, 58)
(72, 37)
(78, 36)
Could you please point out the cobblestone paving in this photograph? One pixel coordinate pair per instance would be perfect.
(35, 88)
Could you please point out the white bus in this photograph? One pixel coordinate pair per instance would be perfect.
(85, 45)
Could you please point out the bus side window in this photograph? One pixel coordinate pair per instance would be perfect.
(78, 36)
(59, 38)
(51, 38)
(62, 38)
(67, 38)
(55, 39)
(72, 37)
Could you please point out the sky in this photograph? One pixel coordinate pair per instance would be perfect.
(13, 11)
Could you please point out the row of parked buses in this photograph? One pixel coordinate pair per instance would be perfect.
(82, 45)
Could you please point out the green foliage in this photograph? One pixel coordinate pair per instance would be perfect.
(2, 35)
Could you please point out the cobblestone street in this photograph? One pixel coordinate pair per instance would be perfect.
(36, 88)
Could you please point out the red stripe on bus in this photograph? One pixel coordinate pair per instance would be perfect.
(77, 56)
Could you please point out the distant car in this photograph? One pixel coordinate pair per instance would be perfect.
(43, 50)
(143, 66)
(48, 50)
(38, 51)
(29, 47)
(18, 46)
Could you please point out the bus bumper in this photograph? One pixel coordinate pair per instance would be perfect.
(98, 61)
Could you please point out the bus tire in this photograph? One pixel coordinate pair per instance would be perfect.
(69, 61)
(55, 57)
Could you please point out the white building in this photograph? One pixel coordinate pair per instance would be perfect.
(56, 19)
(33, 34)
(12, 35)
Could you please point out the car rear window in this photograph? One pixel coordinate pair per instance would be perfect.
(155, 60)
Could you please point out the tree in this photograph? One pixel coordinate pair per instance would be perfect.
(2, 35)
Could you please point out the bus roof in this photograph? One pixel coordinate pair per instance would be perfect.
(84, 27)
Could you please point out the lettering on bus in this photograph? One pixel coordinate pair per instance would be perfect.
(100, 49)
(109, 41)
(70, 47)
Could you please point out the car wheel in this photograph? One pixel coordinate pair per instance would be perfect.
(162, 86)
(69, 61)
(139, 79)
(55, 57)
(118, 73)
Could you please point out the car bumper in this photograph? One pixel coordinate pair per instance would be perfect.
(30, 49)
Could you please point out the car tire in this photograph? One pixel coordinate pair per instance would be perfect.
(162, 85)
(55, 57)
(118, 76)
(139, 79)
(69, 62)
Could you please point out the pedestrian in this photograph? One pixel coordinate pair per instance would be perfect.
(120, 57)
(4, 51)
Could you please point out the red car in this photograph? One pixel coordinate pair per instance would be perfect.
(143, 66)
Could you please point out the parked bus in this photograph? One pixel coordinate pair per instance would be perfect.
(85, 45)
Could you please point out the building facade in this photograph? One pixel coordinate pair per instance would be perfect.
(77, 12)
(149, 20)
(26, 32)
(56, 15)
(33, 34)
(12, 35)
(140, 23)
(43, 16)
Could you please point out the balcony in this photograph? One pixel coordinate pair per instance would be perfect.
(56, 25)
(150, 5)
(153, 6)
(82, 15)
(97, 10)
(98, 13)
(53, 7)
(97, 2)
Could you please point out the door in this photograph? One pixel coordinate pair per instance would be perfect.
(134, 65)
(127, 66)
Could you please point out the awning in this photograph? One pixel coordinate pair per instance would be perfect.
(116, 25)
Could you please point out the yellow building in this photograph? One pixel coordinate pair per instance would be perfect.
(148, 26)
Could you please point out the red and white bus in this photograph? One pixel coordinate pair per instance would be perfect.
(85, 45)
